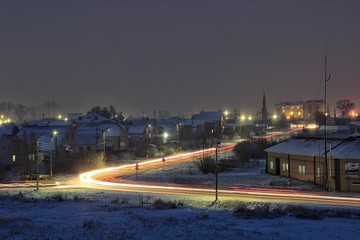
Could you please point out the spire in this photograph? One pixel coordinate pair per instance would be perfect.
(264, 110)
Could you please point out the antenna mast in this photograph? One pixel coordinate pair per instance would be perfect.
(326, 80)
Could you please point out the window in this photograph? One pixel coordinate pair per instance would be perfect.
(285, 167)
(88, 148)
(318, 172)
(122, 144)
(31, 157)
(14, 158)
(301, 169)
(81, 149)
(271, 164)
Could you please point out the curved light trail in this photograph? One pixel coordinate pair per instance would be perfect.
(101, 179)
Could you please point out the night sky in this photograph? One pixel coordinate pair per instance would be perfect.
(177, 55)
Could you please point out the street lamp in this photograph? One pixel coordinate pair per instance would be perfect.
(104, 138)
(216, 170)
(165, 136)
(53, 135)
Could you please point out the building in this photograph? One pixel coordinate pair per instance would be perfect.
(213, 122)
(354, 127)
(264, 111)
(299, 110)
(304, 159)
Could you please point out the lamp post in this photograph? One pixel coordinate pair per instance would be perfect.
(53, 135)
(216, 170)
(37, 163)
(104, 138)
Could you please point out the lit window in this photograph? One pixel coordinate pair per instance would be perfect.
(271, 165)
(285, 167)
(318, 172)
(14, 158)
(301, 169)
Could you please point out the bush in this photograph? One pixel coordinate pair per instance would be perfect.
(206, 165)
(59, 197)
(161, 204)
(91, 224)
(258, 211)
(306, 213)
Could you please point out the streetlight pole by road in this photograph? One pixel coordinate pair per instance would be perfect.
(37, 163)
(216, 170)
(53, 135)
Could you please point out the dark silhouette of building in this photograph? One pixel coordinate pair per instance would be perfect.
(264, 110)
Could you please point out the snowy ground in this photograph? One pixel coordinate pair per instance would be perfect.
(252, 177)
(97, 214)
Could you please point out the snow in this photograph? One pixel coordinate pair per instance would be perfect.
(340, 148)
(80, 213)
(95, 214)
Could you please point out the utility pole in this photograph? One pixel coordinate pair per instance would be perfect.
(104, 138)
(216, 171)
(37, 163)
(54, 133)
(326, 80)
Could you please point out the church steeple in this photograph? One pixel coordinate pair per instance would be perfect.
(264, 110)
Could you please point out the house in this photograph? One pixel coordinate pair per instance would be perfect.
(93, 133)
(93, 137)
(303, 158)
(13, 152)
(48, 133)
(354, 127)
(138, 136)
(212, 121)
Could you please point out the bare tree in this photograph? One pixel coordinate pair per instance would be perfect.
(35, 112)
(20, 111)
(51, 107)
(163, 114)
(5, 108)
(344, 106)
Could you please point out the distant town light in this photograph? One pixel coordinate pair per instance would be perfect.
(65, 119)
(59, 116)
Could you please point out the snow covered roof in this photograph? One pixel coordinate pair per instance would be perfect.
(194, 122)
(209, 116)
(335, 128)
(6, 129)
(48, 122)
(93, 117)
(89, 133)
(136, 129)
(338, 148)
(355, 124)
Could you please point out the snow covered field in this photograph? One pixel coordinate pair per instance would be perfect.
(95, 214)
(188, 173)
(98, 214)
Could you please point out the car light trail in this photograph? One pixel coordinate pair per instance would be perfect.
(100, 179)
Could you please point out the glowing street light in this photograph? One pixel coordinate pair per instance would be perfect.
(53, 135)
(216, 171)
(165, 136)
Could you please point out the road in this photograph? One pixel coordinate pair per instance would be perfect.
(110, 179)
